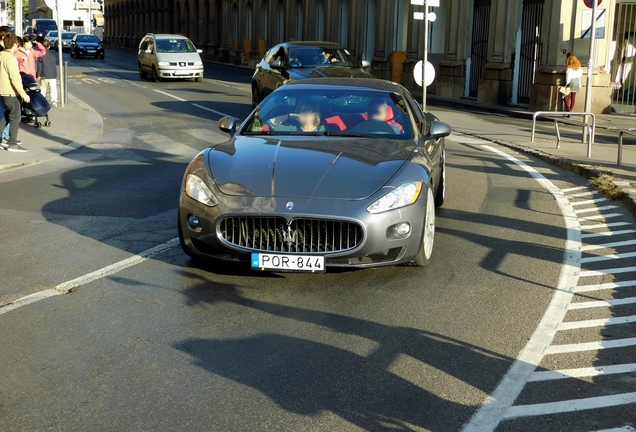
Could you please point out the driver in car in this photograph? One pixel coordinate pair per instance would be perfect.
(377, 111)
(305, 119)
(328, 57)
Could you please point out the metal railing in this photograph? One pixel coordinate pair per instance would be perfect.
(558, 116)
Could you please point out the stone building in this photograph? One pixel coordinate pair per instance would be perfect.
(505, 52)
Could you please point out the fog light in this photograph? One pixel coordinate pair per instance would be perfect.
(193, 222)
(402, 229)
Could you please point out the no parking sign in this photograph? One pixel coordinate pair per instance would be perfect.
(590, 3)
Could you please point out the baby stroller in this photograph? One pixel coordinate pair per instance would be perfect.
(38, 106)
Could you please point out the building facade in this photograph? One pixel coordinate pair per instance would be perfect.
(76, 15)
(505, 52)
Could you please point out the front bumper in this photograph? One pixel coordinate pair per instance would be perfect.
(180, 72)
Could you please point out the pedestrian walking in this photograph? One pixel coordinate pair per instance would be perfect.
(47, 73)
(573, 74)
(10, 88)
(28, 54)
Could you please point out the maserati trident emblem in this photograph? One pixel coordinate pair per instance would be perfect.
(290, 205)
(289, 236)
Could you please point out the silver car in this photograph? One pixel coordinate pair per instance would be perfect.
(169, 56)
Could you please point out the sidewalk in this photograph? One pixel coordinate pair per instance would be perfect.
(572, 152)
(72, 127)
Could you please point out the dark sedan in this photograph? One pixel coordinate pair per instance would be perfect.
(86, 45)
(293, 61)
(324, 172)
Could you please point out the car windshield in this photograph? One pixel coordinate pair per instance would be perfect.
(321, 56)
(87, 38)
(176, 45)
(332, 111)
(68, 35)
(53, 34)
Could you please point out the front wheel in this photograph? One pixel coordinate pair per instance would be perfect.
(423, 257)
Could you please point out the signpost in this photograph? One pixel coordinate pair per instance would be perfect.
(590, 65)
(54, 5)
(427, 16)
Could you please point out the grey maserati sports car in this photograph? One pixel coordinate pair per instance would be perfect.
(324, 172)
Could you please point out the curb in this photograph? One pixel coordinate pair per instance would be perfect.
(627, 188)
(95, 127)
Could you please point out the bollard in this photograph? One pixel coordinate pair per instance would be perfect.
(66, 81)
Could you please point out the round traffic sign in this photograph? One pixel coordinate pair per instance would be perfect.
(429, 73)
(590, 3)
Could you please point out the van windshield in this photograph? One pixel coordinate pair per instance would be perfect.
(175, 45)
(45, 27)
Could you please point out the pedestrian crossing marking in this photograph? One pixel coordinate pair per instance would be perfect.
(167, 145)
(573, 325)
(570, 405)
(604, 286)
(608, 245)
(594, 209)
(608, 233)
(582, 372)
(602, 303)
(207, 135)
(590, 346)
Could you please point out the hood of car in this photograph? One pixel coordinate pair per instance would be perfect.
(329, 72)
(313, 167)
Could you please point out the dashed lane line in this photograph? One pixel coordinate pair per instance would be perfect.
(67, 286)
(222, 114)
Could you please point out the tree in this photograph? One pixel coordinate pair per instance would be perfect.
(25, 7)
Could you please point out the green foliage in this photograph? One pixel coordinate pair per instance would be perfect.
(25, 7)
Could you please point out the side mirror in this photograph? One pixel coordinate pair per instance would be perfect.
(228, 125)
(276, 64)
(439, 130)
(148, 51)
(200, 51)
(366, 64)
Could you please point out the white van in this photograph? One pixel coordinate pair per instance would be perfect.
(169, 56)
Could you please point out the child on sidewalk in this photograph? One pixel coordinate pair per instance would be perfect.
(47, 73)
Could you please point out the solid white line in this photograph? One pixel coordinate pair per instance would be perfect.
(602, 303)
(590, 346)
(592, 201)
(572, 325)
(592, 192)
(592, 209)
(117, 267)
(582, 372)
(608, 245)
(211, 110)
(134, 83)
(608, 233)
(169, 95)
(492, 411)
(40, 295)
(597, 217)
(604, 286)
(603, 272)
(572, 189)
(570, 405)
(604, 226)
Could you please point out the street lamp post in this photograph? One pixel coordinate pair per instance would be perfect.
(590, 64)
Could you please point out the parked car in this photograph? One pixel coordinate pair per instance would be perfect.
(67, 37)
(324, 172)
(169, 56)
(86, 45)
(292, 61)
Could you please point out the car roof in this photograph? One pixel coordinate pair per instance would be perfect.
(167, 36)
(321, 44)
(360, 83)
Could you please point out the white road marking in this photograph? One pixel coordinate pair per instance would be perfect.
(207, 135)
(586, 202)
(602, 303)
(67, 286)
(608, 257)
(211, 110)
(105, 73)
(593, 209)
(620, 429)
(570, 405)
(500, 401)
(604, 226)
(590, 346)
(608, 245)
(583, 194)
(608, 233)
(597, 217)
(604, 272)
(169, 95)
(572, 325)
(582, 372)
(168, 145)
(604, 286)
(572, 189)
(134, 83)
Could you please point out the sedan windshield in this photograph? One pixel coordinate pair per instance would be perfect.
(175, 45)
(335, 111)
(53, 33)
(68, 35)
(318, 56)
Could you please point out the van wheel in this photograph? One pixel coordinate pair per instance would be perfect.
(142, 73)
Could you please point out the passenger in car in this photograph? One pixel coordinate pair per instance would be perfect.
(305, 119)
(377, 110)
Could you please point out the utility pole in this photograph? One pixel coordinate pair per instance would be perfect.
(60, 58)
(590, 64)
(90, 16)
(18, 17)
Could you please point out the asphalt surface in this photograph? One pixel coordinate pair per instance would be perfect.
(170, 345)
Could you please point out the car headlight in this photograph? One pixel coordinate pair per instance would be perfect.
(198, 63)
(402, 196)
(164, 63)
(196, 189)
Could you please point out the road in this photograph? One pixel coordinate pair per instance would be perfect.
(167, 344)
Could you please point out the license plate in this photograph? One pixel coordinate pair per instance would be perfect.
(305, 263)
(91, 51)
(182, 73)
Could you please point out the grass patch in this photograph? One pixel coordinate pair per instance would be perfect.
(604, 185)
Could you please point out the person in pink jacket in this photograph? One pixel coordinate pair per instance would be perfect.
(27, 55)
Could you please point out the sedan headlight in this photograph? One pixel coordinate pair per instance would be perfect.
(402, 196)
(196, 189)
(164, 63)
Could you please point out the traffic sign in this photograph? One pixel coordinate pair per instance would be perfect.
(429, 72)
(590, 3)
